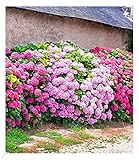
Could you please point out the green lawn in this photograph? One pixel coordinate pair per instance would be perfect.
(14, 138)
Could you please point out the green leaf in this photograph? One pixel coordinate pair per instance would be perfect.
(12, 78)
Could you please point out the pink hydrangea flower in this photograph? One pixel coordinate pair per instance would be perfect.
(8, 119)
(15, 56)
(37, 92)
(114, 107)
(43, 108)
(35, 121)
(7, 50)
(27, 117)
(24, 111)
(13, 104)
(18, 122)
(91, 121)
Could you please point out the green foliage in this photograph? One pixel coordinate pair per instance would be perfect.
(68, 141)
(58, 138)
(121, 116)
(23, 48)
(83, 136)
(74, 55)
(43, 46)
(86, 60)
(77, 57)
(79, 93)
(114, 53)
(30, 46)
(75, 128)
(81, 77)
(51, 148)
(49, 134)
(14, 138)
(101, 125)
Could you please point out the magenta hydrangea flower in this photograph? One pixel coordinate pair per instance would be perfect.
(18, 122)
(70, 108)
(24, 111)
(98, 112)
(34, 111)
(34, 81)
(77, 113)
(7, 50)
(43, 108)
(40, 99)
(63, 87)
(37, 92)
(8, 119)
(27, 117)
(29, 101)
(28, 55)
(13, 124)
(114, 107)
(15, 56)
(83, 87)
(10, 94)
(13, 104)
(35, 121)
(53, 110)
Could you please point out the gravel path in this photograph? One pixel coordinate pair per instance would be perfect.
(113, 139)
(102, 146)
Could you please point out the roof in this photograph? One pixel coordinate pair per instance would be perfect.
(113, 16)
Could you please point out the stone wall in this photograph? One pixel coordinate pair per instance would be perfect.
(23, 26)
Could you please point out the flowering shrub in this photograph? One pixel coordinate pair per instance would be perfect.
(120, 64)
(26, 79)
(56, 82)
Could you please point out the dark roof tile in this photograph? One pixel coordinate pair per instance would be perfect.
(112, 16)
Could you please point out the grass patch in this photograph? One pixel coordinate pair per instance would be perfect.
(75, 128)
(49, 147)
(101, 125)
(67, 141)
(49, 134)
(83, 136)
(14, 138)
(58, 138)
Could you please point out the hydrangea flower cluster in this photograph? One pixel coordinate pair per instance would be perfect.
(77, 92)
(26, 100)
(120, 64)
(50, 81)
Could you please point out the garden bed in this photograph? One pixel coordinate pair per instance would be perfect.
(60, 94)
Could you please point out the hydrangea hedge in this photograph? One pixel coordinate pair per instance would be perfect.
(120, 64)
(57, 82)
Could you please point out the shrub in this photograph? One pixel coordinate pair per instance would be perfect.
(120, 64)
(55, 81)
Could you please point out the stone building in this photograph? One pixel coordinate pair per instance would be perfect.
(86, 26)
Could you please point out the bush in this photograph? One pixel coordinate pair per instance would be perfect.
(120, 64)
(58, 82)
